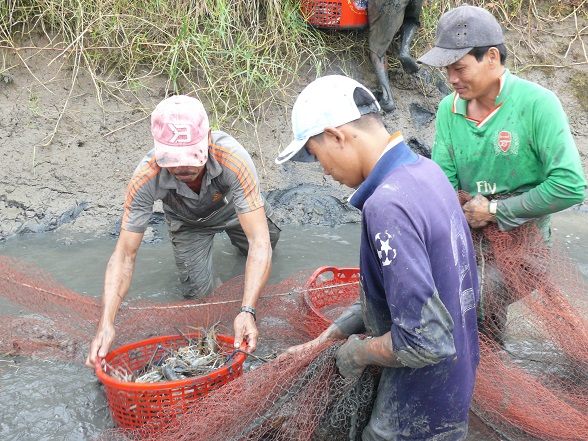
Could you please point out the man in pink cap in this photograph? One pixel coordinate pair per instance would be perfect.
(207, 183)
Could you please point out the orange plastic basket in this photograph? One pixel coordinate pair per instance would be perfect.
(329, 291)
(332, 14)
(132, 405)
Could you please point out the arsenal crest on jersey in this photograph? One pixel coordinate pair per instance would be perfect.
(505, 143)
(504, 140)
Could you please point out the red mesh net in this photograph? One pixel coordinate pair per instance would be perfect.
(60, 323)
(532, 381)
(533, 374)
(287, 399)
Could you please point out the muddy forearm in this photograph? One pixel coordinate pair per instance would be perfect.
(349, 322)
(357, 353)
(379, 351)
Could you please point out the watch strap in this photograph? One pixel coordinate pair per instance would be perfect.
(492, 206)
(250, 310)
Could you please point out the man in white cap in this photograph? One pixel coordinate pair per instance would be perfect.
(419, 283)
(504, 140)
(207, 183)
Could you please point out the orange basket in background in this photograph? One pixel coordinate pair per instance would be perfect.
(329, 292)
(133, 405)
(332, 14)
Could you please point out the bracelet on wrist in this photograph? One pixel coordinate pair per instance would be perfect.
(250, 310)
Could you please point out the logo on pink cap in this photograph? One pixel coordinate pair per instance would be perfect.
(179, 125)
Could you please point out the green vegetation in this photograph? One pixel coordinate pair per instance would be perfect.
(235, 55)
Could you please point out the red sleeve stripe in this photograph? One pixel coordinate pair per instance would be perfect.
(243, 172)
(144, 174)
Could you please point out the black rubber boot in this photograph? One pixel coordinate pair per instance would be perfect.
(381, 69)
(409, 64)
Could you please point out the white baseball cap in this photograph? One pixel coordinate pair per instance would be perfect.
(329, 101)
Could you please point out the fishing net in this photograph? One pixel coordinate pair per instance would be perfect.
(51, 321)
(531, 382)
(287, 399)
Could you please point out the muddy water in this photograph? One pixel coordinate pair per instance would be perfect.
(49, 400)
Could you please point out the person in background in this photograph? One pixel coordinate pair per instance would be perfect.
(207, 183)
(504, 140)
(386, 18)
(419, 284)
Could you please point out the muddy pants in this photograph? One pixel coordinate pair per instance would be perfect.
(492, 311)
(385, 19)
(387, 410)
(192, 245)
(389, 413)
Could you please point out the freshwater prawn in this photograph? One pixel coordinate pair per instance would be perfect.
(200, 356)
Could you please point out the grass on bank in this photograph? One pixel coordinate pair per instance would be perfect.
(234, 55)
(237, 56)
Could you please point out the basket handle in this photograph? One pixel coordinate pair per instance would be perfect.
(329, 269)
(323, 269)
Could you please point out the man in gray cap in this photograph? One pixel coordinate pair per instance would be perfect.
(504, 140)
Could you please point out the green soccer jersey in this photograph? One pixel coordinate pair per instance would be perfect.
(524, 147)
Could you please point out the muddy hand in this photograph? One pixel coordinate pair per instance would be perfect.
(307, 347)
(476, 212)
(350, 359)
(333, 332)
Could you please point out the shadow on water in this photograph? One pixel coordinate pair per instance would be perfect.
(52, 400)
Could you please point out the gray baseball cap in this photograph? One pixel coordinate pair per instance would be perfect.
(459, 31)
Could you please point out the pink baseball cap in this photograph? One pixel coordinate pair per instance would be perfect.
(179, 125)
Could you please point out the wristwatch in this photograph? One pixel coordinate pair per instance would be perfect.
(250, 310)
(492, 206)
